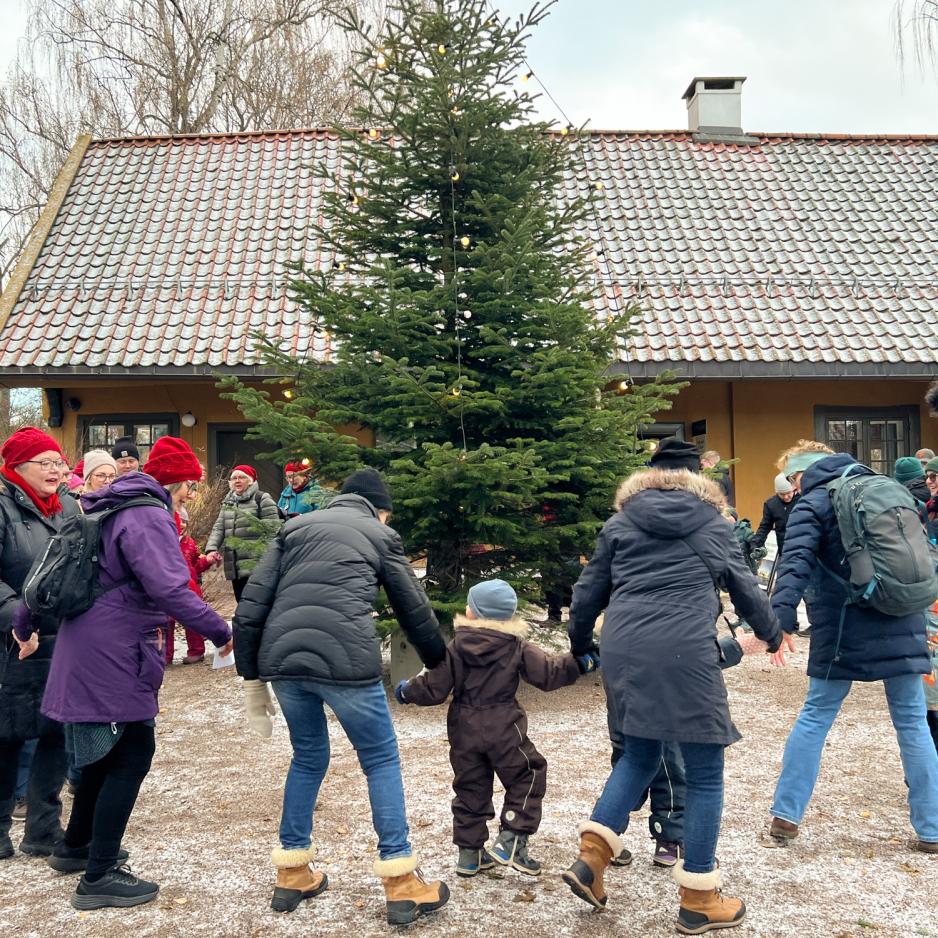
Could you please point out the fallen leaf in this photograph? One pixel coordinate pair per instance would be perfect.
(864, 814)
(341, 829)
(182, 900)
(908, 868)
(526, 896)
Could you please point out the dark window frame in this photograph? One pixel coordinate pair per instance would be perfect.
(910, 414)
(86, 422)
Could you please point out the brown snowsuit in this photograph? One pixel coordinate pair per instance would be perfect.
(487, 727)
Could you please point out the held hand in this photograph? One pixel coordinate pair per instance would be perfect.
(399, 692)
(226, 650)
(29, 646)
(778, 657)
(589, 660)
(259, 707)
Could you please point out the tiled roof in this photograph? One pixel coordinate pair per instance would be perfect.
(797, 254)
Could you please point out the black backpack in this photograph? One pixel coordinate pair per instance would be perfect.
(63, 581)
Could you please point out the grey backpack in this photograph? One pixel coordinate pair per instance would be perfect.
(892, 564)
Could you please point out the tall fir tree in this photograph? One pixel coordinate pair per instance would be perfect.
(460, 308)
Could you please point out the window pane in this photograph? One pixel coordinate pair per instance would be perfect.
(854, 430)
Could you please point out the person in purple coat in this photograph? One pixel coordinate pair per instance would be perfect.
(107, 668)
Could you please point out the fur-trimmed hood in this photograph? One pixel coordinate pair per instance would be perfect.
(479, 641)
(669, 503)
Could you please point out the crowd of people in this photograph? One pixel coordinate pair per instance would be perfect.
(78, 693)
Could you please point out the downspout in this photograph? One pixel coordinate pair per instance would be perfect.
(732, 467)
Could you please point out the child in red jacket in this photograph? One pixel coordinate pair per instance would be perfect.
(198, 564)
(488, 728)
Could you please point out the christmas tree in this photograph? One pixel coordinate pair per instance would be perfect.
(460, 306)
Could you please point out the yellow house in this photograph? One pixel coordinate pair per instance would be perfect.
(790, 277)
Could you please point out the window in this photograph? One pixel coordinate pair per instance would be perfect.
(102, 432)
(875, 436)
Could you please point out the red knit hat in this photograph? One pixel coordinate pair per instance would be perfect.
(297, 466)
(248, 471)
(172, 460)
(26, 443)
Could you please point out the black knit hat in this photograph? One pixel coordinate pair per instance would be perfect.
(125, 447)
(369, 484)
(673, 453)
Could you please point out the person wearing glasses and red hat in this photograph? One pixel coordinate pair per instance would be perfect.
(302, 493)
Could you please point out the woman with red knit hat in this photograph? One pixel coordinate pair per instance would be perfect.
(302, 492)
(30, 513)
(108, 666)
(237, 524)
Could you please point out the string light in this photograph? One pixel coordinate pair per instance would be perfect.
(527, 76)
(456, 112)
(454, 174)
(374, 133)
(352, 198)
(338, 265)
(599, 184)
(441, 49)
(456, 391)
(464, 241)
(288, 394)
(305, 462)
(625, 384)
(381, 61)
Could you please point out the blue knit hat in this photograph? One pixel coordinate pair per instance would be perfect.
(493, 599)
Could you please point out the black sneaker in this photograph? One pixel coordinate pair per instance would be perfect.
(473, 861)
(118, 887)
(622, 859)
(19, 810)
(511, 849)
(6, 848)
(74, 859)
(39, 848)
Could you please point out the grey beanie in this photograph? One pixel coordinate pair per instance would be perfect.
(782, 485)
(493, 599)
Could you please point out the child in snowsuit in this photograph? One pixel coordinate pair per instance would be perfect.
(487, 727)
(198, 564)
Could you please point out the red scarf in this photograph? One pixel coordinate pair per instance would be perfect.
(48, 506)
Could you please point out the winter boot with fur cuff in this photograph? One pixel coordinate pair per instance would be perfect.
(598, 845)
(703, 907)
(407, 893)
(296, 879)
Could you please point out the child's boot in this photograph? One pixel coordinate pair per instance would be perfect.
(408, 895)
(598, 845)
(511, 849)
(296, 879)
(473, 860)
(703, 906)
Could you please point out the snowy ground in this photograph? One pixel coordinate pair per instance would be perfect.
(208, 815)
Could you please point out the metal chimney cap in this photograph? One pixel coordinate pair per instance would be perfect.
(713, 83)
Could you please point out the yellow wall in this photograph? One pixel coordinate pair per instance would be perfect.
(753, 421)
(157, 397)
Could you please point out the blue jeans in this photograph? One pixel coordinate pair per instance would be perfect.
(635, 771)
(802, 760)
(22, 766)
(365, 717)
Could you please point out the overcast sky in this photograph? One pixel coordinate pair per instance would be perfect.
(812, 65)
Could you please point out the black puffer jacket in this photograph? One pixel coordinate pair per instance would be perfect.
(24, 532)
(306, 612)
(661, 662)
(775, 514)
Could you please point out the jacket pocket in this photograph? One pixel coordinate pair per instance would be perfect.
(150, 663)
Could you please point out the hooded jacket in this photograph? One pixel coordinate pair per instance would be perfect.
(661, 661)
(236, 520)
(293, 502)
(848, 642)
(306, 613)
(24, 533)
(106, 666)
(485, 662)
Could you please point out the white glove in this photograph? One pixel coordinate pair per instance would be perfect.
(259, 706)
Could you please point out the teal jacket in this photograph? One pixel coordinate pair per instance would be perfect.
(308, 498)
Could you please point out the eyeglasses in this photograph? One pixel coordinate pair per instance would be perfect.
(104, 476)
(47, 465)
(193, 486)
(931, 476)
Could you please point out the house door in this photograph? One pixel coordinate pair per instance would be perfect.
(228, 447)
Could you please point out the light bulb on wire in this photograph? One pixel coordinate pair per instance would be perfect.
(441, 49)
(454, 174)
(288, 394)
(374, 133)
(465, 241)
(381, 61)
(527, 76)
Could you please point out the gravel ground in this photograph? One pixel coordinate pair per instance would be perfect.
(208, 813)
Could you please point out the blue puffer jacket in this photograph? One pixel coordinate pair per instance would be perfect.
(849, 643)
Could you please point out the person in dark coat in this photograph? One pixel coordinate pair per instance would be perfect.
(775, 512)
(488, 728)
(711, 460)
(107, 669)
(655, 569)
(30, 513)
(849, 643)
(305, 624)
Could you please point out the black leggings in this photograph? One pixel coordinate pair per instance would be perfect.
(106, 796)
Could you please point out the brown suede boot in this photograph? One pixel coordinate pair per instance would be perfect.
(703, 907)
(598, 845)
(783, 830)
(296, 880)
(408, 895)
